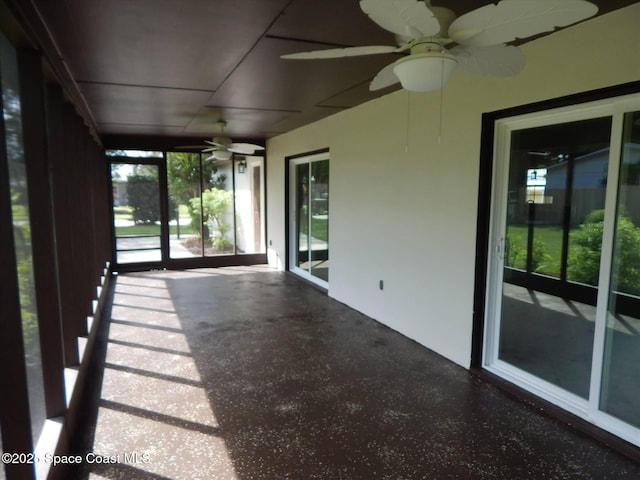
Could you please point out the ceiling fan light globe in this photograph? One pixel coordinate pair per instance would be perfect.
(423, 72)
(222, 154)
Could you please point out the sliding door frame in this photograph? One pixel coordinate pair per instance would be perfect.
(617, 101)
(160, 163)
(290, 212)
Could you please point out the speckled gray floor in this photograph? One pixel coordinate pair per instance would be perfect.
(247, 373)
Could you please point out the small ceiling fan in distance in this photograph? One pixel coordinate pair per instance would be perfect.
(438, 43)
(222, 148)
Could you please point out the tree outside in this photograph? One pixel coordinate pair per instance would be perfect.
(196, 187)
(144, 196)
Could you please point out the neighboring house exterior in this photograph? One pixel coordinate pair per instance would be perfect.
(589, 177)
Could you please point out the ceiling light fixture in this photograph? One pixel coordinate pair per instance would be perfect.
(423, 72)
(222, 154)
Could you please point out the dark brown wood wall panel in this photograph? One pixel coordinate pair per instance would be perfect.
(81, 209)
(42, 230)
(62, 184)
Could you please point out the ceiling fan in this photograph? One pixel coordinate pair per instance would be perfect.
(438, 42)
(222, 148)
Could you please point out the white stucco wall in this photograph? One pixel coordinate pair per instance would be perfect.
(247, 234)
(403, 201)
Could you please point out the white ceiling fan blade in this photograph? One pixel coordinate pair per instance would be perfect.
(244, 148)
(241, 151)
(403, 17)
(209, 149)
(512, 19)
(215, 144)
(341, 52)
(496, 60)
(385, 78)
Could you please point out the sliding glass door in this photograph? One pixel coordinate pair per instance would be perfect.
(563, 295)
(137, 212)
(309, 217)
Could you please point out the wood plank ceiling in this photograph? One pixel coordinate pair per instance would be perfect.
(172, 68)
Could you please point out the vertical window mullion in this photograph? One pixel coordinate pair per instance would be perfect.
(566, 221)
(202, 226)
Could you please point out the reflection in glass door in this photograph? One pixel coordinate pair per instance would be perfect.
(620, 395)
(556, 190)
(563, 287)
(309, 218)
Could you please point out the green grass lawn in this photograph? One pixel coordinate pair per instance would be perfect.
(320, 228)
(152, 230)
(550, 235)
(124, 212)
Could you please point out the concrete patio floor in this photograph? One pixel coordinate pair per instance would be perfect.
(248, 373)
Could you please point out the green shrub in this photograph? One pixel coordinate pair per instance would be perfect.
(595, 216)
(214, 205)
(626, 263)
(583, 264)
(586, 244)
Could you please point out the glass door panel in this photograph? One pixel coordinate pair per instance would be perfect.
(620, 395)
(136, 212)
(201, 205)
(302, 215)
(310, 217)
(218, 208)
(557, 177)
(319, 220)
(185, 220)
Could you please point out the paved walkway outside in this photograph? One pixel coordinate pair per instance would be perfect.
(248, 373)
(149, 249)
